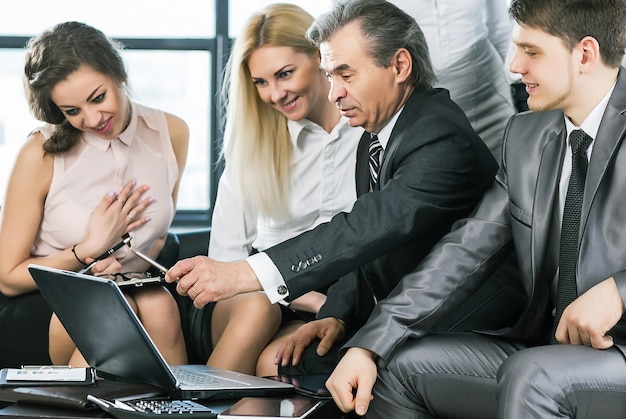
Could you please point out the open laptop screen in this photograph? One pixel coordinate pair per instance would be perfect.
(103, 326)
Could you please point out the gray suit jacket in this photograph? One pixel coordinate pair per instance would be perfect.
(516, 214)
(434, 170)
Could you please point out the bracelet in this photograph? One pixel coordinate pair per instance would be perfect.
(76, 256)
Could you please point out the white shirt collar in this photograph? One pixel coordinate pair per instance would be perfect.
(591, 124)
(296, 128)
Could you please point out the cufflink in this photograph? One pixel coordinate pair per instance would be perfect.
(282, 290)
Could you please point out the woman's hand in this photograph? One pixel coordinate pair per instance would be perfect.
(116, 215)
(310, 302)
(109, 265)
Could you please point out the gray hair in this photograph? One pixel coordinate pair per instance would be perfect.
(386, 27)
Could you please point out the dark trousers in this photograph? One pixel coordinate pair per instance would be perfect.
(467, 375)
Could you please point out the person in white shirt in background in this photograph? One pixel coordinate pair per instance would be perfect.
(468, 43)
(290, 165)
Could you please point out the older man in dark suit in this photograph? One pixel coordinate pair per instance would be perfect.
(433, 169)
(559, 202)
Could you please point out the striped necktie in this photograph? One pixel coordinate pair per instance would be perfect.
(375, 149)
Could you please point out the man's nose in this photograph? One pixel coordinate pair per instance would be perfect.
(336, 93)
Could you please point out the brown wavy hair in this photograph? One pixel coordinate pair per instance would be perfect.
(51, 57)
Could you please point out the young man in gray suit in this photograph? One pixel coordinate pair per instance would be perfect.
(568, 53)
(433, 171)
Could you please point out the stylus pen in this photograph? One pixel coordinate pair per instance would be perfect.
(125, 241)
(150, 260)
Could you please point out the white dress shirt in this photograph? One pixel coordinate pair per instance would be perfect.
(323, 184)
(451, 26)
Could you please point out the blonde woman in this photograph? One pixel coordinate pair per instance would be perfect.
(290, 165)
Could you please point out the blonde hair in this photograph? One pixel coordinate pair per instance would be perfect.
(257, 146)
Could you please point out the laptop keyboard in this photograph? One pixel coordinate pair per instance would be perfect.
(178, 408)
(189, 378)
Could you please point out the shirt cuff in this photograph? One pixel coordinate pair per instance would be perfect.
(269, 276)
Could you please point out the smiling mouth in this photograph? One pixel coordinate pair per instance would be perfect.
(103, 125)
(290, 103)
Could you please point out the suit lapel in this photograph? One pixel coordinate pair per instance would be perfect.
(607, 142)
(545, 203)
(362, 173)
(398, 132)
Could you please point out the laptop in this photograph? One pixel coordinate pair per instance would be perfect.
(109, 335)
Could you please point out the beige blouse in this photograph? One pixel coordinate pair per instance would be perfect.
(95, 166)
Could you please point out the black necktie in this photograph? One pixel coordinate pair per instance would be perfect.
(374, 162)
(568, 248)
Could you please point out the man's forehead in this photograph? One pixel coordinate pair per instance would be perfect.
(531, 37)
(345, 42)
(331, 57)
(336, 54)
(325, 49)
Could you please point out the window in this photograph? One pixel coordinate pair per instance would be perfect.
(175, 52)
(237, 20)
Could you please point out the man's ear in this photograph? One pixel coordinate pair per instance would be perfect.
(590, 52)
(402, 63)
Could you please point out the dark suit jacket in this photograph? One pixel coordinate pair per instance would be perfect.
(434, 170)
(516, 214)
